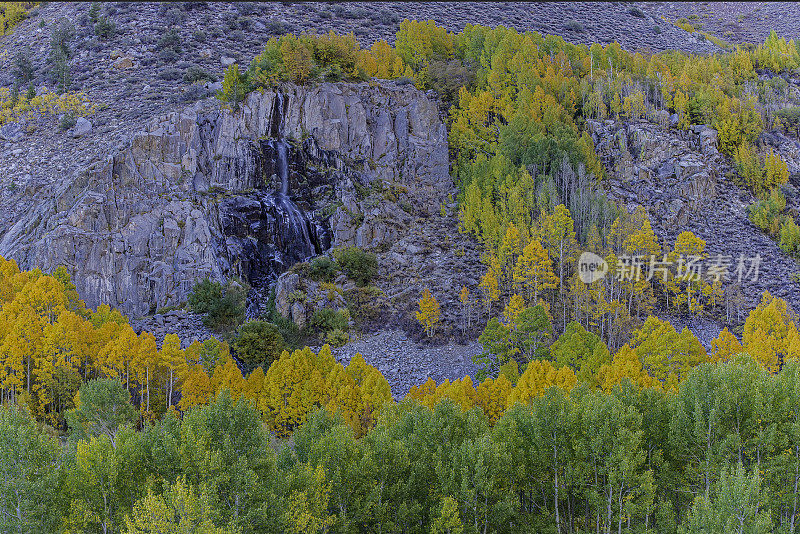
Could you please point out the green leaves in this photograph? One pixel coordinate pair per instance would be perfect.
(104, 407)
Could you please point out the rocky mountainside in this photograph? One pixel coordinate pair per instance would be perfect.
(162, 185)
(683, 181)
(199, 192)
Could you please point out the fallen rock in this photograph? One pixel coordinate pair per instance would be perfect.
(125, 62)
(82, 127)
(11, 132)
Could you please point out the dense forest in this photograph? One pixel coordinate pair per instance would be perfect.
(591, 414)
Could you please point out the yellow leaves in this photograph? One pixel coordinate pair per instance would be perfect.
(46, 103)
(515, 306)
(540, 375)
(769, 332)
(197, 389)
(429, 312)
(534, 270)
(724, 347)
(625, 365)
(776, 171)
(227, 376)
(491, 395)
(301, 380)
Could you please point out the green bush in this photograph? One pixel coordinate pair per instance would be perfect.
(197, 74)
(790, 237)
(223, 306)
(23, 66)
(258, 343)
(364, 303)
(337, 338)
(359, 266)
(67, 121)
(767, 213)
(204, 294)
(105, 28)
(323, 269)
(327, 320)
(170, 39)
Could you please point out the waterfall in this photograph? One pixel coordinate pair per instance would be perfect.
(282, 161)
(266, 230)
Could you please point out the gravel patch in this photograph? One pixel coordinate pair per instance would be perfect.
(406, 363)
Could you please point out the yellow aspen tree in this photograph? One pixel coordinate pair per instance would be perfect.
(429, 312)
(293, 386)
(196, 389)
(625, 365)
(775, 170)
(540, 375)
(227, 376)
(492, 396)
(174, 362)
(490, 289)
(515, 306)
(725, 346)
(766, 332)
(466, 308)
(534, 270)
(254, 385)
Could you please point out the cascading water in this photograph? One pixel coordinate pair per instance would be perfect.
(266, 229)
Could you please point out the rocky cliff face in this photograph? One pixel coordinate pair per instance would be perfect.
(207, 191)
(682, 179)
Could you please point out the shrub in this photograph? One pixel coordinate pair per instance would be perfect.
(337, 338)
(168, 55)
(574, 26)
(171, 39)
(104, 28)
(234, 87)
(173, 16)
(275, 26)
(60, 53)
(170, 74)
(258, 343)
(204, 294)
(790, 237)
(223, 306)
(636, 12)
(748, 164)
(359, 266)
(323, 269)
(447, 77)
(23, 66)
(327, 320)
(767, 213)
(197, 74)
(364, 304)
(67, 121)
(94, 12)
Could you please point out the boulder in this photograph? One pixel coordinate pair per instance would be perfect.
(125, 62)
(11, 131)
(82, 127)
